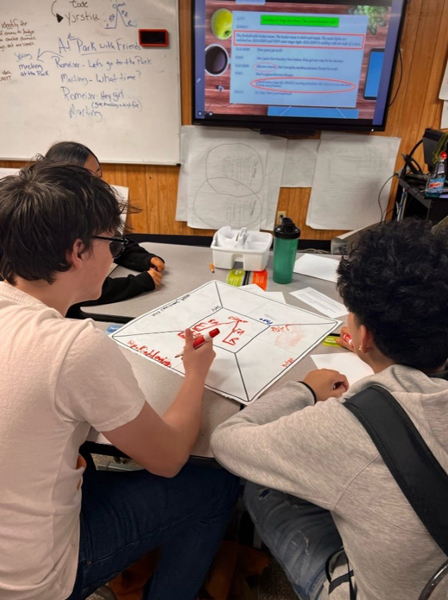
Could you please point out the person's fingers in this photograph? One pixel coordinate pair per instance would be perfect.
(345, 383)
(340, 386)
(158, 264)
(341, 342)
(338, 392)
(345, 339)
(156, 276)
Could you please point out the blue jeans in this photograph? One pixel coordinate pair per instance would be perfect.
(300, 535)
(126, 514)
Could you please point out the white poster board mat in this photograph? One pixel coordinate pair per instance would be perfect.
(260, 339)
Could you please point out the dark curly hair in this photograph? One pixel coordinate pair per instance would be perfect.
(44, 210)
(395, 282)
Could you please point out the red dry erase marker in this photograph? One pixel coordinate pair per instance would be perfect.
(347, 338)
(201, 339)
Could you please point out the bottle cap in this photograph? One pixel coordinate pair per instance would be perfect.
(287, 230)
(443, 155)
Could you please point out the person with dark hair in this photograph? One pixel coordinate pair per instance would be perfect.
(150, 266)
(75, 153)
(319, 483)
(59, 378)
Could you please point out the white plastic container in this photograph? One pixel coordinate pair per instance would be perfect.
(228, 249)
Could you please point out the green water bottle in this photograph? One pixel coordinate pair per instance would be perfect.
(286, 239)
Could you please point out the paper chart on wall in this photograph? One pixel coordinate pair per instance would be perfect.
(300, 163)
(260, 339)
(444, 119)
(186, 132)
(274, 169)
(350, 172)
(443, 94)
(229, 178)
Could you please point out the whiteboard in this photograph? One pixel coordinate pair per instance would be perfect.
(74, 70)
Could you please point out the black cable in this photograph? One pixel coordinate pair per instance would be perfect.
(383, 213)
(400, 80)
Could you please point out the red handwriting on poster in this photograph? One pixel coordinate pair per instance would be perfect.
(280, 328)
(154, 354)
(231, 338)
(288, 362)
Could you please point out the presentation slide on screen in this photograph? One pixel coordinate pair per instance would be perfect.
(269, 59)
(305, 60)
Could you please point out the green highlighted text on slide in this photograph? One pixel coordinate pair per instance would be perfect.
(286, 20)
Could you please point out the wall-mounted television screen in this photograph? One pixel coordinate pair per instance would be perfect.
(292, 66)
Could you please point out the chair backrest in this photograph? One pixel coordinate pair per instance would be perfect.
(437, 586)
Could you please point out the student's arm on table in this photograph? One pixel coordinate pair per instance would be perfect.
(285, 441)
(135, 257)
(116, 289)
(162, 445)
(96, 385)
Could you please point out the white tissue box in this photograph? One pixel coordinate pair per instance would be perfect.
(227, 250)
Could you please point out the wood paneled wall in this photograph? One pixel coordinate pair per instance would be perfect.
(424, 47)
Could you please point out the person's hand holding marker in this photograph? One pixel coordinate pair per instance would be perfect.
(326, 383)
(197, 357)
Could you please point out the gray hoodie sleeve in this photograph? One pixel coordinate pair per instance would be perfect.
(286, 442)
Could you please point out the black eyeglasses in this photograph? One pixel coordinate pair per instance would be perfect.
(116, 246)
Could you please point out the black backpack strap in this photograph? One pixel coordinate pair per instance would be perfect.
(413, 466)
(331, 564)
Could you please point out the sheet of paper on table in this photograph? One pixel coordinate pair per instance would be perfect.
(314, 265)
(347, 363)
(320, 302)
(256, 289)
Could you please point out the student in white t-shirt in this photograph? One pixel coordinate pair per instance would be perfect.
(59, 377)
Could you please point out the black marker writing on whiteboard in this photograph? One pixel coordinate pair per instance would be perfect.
(202, 339)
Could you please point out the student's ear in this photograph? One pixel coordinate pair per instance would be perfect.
(75, 256)
(367, 341)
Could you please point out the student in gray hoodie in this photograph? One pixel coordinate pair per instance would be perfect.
(319, 481)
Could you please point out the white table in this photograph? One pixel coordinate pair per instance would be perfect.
(187, 269)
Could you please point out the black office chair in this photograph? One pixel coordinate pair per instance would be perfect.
(437, 586)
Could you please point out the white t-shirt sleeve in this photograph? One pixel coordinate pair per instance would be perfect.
(96, 383)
